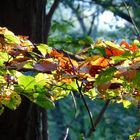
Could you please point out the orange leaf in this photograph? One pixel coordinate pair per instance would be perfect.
(110, 51)
(124, 44)
(132, 47)
(56, 54)
(101, 61)
(68, 65)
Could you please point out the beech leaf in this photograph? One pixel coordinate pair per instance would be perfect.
(45, 66)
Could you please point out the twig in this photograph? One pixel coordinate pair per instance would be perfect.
(98, 119)
(75, 104)
(66, 135)
(133, 22)
(137, 131)
(69, 125)
(85, 103)
(82, 96)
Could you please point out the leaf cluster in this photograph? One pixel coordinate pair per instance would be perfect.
(105, 70)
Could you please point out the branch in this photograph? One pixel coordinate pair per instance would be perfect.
(133, 22)
(53, 8)
(91, 25)
(48, 19)
(85, 103)
(98, 119)
(66, 135)
(113, 9)
(79, 18)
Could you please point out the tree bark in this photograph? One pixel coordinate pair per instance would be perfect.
(25, 17)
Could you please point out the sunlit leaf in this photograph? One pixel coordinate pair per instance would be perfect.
(41, 79)
(126, 103)
(44, 49)
(12, 39)
(3, 58)
(134, 136)
(26, 82)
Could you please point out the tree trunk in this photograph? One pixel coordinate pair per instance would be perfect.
(24, 17)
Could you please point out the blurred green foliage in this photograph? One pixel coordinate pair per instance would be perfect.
(117, 124)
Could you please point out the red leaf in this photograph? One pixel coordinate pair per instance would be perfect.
(124, 44)
(132, 47)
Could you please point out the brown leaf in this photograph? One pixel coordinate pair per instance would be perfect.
(45, 66)
(103, 87)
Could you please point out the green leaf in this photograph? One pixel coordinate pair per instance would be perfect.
(97, 51)
(26, 82)
(43, 101)
(44, 49)
(89, 39)
(40, 79)
(126, 103)
(12, 39)
(1, 109)
(105, 76)
(135, 135)
(4, 57)
(14, 101)
(136, 81)
(92, 93)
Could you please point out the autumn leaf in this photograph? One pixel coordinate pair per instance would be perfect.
(45, 66)
(56, 54)
(129, 47)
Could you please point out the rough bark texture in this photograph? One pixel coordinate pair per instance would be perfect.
(25, 17)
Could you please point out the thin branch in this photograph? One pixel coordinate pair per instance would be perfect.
(82, 96)
(75, 103)
(135, 137)
(69, 125)
(78, 16)
(85, 103)
(91, 25)
(98, 119)
(66, 135)
(112, 8)
(133, 22)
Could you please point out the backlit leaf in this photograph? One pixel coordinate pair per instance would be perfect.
(44, 102)
(26, 82)
(44, 49)
(12, 39)
(106, 75)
